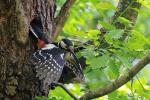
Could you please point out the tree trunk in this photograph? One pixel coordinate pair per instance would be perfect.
(17, 78)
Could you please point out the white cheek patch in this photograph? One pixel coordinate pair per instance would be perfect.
(63, 45)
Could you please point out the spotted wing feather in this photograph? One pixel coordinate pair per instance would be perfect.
(77, 70)
(49, 65)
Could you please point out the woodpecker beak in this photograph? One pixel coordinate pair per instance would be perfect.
(78, 67)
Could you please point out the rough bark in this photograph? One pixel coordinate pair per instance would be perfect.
(17, 81)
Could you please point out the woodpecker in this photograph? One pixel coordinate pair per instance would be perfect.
(50, 60)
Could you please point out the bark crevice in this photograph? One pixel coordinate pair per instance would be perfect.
(17, 81)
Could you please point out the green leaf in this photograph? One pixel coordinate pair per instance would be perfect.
(99, 62)
(106, 5)
(113, 96)
(106, 25)
(112, 69)
(137, 41)
(112, 35)
(145, 3)
(124, 58)
(124, 20)
(96, 78)
(115, 34)
(93, 34)
(59, 94)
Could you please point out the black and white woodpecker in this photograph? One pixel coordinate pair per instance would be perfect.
(50, 60)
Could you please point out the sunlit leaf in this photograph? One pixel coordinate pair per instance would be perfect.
(124, 20)
(106, 25)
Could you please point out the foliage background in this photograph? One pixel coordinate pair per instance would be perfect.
(106, 64)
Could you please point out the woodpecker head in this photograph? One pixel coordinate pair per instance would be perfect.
(66, 44)
(70, 57)
(40, 37)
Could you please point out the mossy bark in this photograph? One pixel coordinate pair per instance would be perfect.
(17, 78)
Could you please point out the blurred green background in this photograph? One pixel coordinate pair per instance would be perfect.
(106, 64)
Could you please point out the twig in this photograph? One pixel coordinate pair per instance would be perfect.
(62, 86)
(140, 83)
(62, 17)
(123, 79)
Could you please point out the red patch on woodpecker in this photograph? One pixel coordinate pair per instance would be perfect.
(40, 43)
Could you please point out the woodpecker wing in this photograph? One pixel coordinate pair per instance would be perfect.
(77, 71)
(49, 63)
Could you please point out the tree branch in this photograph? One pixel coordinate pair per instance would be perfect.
(121, 80)
(61, 18)
(129, 13)
(62, 86)
(126, 9)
